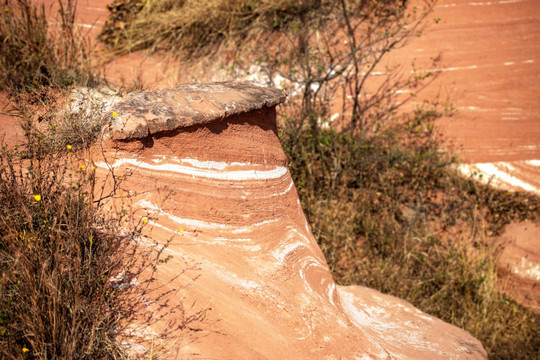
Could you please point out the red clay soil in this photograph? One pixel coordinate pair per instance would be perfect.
(10, 131)
(91, 14)
(490, 53)
(519, 265)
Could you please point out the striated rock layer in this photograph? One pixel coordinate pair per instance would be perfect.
(209, 174)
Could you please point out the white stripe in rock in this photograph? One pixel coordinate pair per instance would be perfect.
(217, 241)
(219, 270)
(282, 252)
(238, 175)
(499, 173)
(218, 165)
(154, 209)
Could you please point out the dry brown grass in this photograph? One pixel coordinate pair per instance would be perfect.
(34, 54)
(190, 27)
(57, 256)
(73, 277)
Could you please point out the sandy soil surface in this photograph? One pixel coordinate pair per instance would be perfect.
(519, 264)
(91, 14)
(490, 51)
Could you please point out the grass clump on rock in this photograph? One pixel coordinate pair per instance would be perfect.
(192, 26)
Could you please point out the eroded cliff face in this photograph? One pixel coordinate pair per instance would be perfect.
(203, 164)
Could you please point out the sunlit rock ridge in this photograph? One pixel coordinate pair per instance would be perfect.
(208, 175)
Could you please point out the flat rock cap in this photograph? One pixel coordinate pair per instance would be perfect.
(141, 114)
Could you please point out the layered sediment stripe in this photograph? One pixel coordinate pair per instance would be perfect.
(205, 171)
(235, 229)
(288, 248)
(213, 191)
(520, 175)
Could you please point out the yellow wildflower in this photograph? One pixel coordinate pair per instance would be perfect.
(24, 349)
(114, 115)
(145, 219)
(81, 167)
(181, 229)
(68, 147)
(37, 197)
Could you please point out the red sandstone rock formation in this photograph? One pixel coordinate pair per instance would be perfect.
(208, 173)
(519, 264)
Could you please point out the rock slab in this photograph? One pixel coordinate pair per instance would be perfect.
(149, 112)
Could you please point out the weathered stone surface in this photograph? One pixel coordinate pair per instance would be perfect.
(148, 112)
(519, 263)
(220, 195)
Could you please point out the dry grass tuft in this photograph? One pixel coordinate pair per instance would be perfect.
(34, 54)
(191, 25)
(57, 256)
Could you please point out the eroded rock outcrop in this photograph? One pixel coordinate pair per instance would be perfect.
(208, 172)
